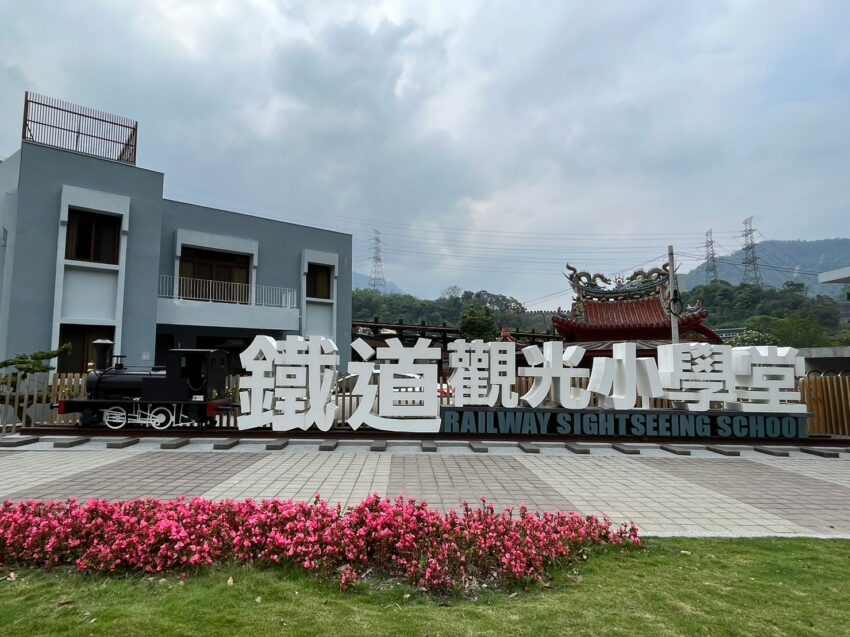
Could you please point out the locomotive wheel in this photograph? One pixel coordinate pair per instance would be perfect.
(161, 418)
(115, 417)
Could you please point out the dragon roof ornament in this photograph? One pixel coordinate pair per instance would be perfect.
(640, 284)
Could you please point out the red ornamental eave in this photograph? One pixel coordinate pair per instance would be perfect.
(628, 320)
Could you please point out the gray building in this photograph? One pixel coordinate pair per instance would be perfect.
(89, 249)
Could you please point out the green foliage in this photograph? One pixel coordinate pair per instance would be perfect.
(752, 337)
(478, 323)
(35, 362)
(842, 336)
(782, 316)
(796, 330)
(389, 308)
(731, 305)
(779, 316)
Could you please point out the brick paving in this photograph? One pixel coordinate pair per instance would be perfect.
(626, 489)
(145, 475)
(337, 477)
(664, 493)
(447, 481)
(803, 500)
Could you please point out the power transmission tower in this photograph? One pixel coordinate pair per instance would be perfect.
(752, 273)
(376, 279)
(710, 259)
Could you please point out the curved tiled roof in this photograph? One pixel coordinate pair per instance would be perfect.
(627, 319)
(632, 313)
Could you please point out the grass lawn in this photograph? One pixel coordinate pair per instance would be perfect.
(675, 587)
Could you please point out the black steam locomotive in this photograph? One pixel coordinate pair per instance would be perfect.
(189, 389)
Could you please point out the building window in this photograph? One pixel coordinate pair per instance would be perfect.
(208, 275)
(93, 237)
(319, 281)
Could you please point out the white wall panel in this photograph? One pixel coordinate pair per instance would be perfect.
(319, 319)
(89, 294)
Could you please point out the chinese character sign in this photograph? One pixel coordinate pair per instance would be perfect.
(292, 383)
(697, 373)
(766, 379)
(289, 383)
(483, 373)
(406, 390)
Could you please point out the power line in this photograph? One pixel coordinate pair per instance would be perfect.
(541, 299)
(761, 266)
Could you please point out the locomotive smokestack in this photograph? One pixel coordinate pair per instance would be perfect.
(102, 346)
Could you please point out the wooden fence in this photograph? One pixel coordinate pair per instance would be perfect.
(828, 398)
(26, 401)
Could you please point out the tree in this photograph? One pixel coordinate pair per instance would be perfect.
(28, 364)
(389, 308)
(478, 323)
(35, 362)
(797, 330)
(842, 337)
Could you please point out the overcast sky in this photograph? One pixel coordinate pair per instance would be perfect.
(490, 142)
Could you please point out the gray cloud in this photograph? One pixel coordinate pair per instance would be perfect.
(485, 140)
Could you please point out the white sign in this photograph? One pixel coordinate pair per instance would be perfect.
(291, 383)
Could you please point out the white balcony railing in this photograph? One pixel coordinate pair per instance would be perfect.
(225, 292)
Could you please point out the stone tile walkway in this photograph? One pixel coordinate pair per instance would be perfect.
(702, 494)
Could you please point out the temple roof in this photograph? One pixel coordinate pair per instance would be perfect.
(631, 309)
(637, 313)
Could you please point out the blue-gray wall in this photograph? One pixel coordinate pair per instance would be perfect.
(9, 171)
(280, 245)
(43, 173)
(31, 272)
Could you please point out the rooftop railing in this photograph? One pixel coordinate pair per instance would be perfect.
(60, 124)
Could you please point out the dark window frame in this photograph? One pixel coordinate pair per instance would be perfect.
(319, 281)
(85, 232)
(191, 258)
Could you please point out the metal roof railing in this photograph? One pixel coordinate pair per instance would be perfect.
(60, 124)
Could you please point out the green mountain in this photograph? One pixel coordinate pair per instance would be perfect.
(781, 261)
(361, 282)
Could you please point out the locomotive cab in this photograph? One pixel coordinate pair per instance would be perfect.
(190, 375)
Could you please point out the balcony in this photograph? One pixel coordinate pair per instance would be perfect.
(186, 301)
(225, 292)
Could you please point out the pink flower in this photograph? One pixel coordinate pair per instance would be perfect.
(396, 538)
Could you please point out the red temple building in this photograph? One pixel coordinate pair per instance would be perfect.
(634, 309)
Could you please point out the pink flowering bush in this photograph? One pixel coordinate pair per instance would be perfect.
(397, 539)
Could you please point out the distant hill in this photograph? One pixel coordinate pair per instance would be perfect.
(362, 281)
(781, 261)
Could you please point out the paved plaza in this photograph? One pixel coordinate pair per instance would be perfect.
(664, 491)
